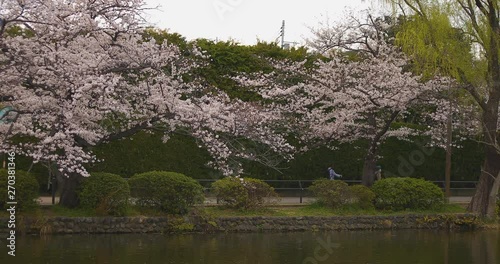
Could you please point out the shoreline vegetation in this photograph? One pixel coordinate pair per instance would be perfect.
(169, 202)
(209, 219)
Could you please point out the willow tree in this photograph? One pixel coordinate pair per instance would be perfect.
(429, 36)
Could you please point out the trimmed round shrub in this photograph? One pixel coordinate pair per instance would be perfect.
(25, 192)
(168, 192)
(243, 193)
(331, 193)
(398, 194)
(363, 197)
(231, 192)
(107, 193)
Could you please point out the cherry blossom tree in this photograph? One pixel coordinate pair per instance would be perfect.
(358, 93)
(80, 73)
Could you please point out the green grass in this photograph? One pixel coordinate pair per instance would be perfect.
(219, 211)
(53, 211)
(57, 210)
(314, 209)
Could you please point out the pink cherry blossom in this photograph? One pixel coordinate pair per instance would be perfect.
(80, 74)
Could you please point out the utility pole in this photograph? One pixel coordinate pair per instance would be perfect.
(282, 33)
(284, 44)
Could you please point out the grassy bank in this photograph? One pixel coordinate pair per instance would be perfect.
(318, 210)
(219, 211)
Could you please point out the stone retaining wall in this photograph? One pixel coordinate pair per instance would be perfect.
(95, 225)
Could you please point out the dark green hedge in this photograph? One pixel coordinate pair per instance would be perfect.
(402, 158)
(146, 152)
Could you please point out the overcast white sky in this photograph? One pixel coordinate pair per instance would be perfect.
(248, 20)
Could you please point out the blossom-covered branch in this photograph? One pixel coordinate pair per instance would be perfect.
(81, 73)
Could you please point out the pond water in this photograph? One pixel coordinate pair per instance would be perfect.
(426, 247)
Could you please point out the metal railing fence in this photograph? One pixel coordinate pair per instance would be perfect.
(298, 188)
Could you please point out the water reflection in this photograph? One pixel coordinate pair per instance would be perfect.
(263, 248)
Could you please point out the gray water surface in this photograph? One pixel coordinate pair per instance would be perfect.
(426, 247)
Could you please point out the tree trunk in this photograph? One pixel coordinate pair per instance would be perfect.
(481, 199)
(69, 198)
(492, 202)
(369, 167)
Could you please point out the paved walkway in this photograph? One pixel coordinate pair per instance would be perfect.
(45, 200)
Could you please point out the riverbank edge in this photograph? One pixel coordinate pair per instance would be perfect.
(206, 224)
